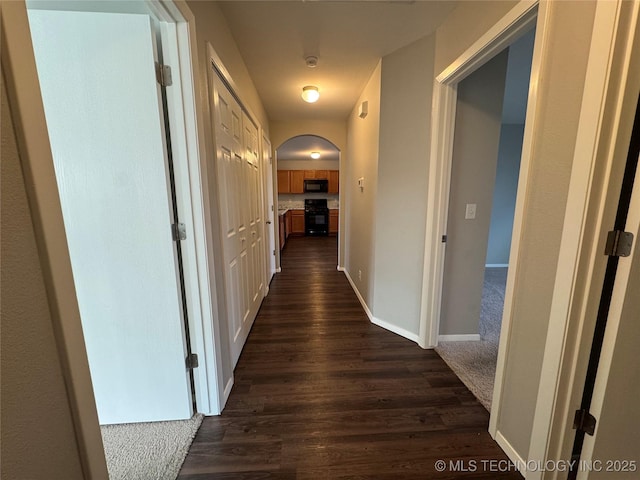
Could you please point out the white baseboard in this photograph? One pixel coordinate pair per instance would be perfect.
(357, 292)
(508, 449)
(496, 265)
(395, 329)
(376, 321)
(226, 393)
(340, 269)
(471, 337)
(278, 270)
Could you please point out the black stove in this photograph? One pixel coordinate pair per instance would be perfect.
(316, 216)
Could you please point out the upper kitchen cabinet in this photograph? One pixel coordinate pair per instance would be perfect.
(334, 181)
(297, 181)
(292, 181)
(284, 181)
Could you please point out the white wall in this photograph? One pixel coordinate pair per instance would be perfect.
(362, 152)
(504, 194)
(37, 436)
(400, 215)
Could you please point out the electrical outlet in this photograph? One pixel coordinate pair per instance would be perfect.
(470, 212)
(360, 275)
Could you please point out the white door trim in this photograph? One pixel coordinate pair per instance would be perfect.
(514, 24)
(609, 102)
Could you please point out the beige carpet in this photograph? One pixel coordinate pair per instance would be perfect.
(475, 362)
(148, 451)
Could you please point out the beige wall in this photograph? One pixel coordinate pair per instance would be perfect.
(211, 27)
(400, 215)
(466, 24)
(362, 152)
(473, 174)
(38, 438)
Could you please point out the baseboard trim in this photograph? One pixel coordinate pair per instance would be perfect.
(496, 265)
(395, 329)
(357, 292)
(472, 337)
(376, 321)
(227, 392)
(278, 270)
(340, 269)
(508, 449)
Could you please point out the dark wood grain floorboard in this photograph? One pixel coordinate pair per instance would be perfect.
(321, 393)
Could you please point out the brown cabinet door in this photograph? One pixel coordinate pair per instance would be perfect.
(334, 218)
(334, 181)
(297, 181)
(322, 174)
(284, 181)
(287, 221)
(282, 231)
(309, 174)
(297, 221)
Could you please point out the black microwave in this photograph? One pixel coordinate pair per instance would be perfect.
(316, 186)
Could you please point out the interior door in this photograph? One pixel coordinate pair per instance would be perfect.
(103, 110)
(229, 166)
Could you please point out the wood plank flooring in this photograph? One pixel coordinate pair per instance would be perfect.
(321, 393)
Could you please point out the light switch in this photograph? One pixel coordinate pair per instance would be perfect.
(361, 184)
(470, 212)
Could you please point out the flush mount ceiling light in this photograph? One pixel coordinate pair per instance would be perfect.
(315, 155)
(310, 94)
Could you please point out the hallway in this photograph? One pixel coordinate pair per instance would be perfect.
(320, 392)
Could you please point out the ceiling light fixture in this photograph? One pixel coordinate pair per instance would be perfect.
(315, 155)
(310, 94)
(311, 61)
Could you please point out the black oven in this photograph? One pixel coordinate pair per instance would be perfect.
(316, 217)
(316, 186)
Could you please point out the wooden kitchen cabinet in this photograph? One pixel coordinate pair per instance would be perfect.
(282, 231)
(334, 221)
(334, 181)
(284, 181)
(287, 223)
(297, 181)
(292, 181)
(297, 222)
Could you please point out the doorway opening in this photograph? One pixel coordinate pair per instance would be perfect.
(308, 188)
(487, 149)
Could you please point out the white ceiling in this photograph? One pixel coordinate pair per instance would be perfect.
(348, 37)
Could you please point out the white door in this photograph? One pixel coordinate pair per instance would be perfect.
(267, 169)
(229, 167)
(256, 221)
(102, 106)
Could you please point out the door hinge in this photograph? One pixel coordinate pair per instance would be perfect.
(584, 422)
(163, 75)
(192, 361)
(178, 231)
(444, 239)
(618, 243)
(274, 252)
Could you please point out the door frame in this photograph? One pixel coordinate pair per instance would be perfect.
(518, 21)
(269, 198)
(18, 63)
(609, 102)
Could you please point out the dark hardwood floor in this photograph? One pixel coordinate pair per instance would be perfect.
(321, 393)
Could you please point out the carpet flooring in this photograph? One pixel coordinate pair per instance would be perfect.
(475, 362)
(148, 451)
